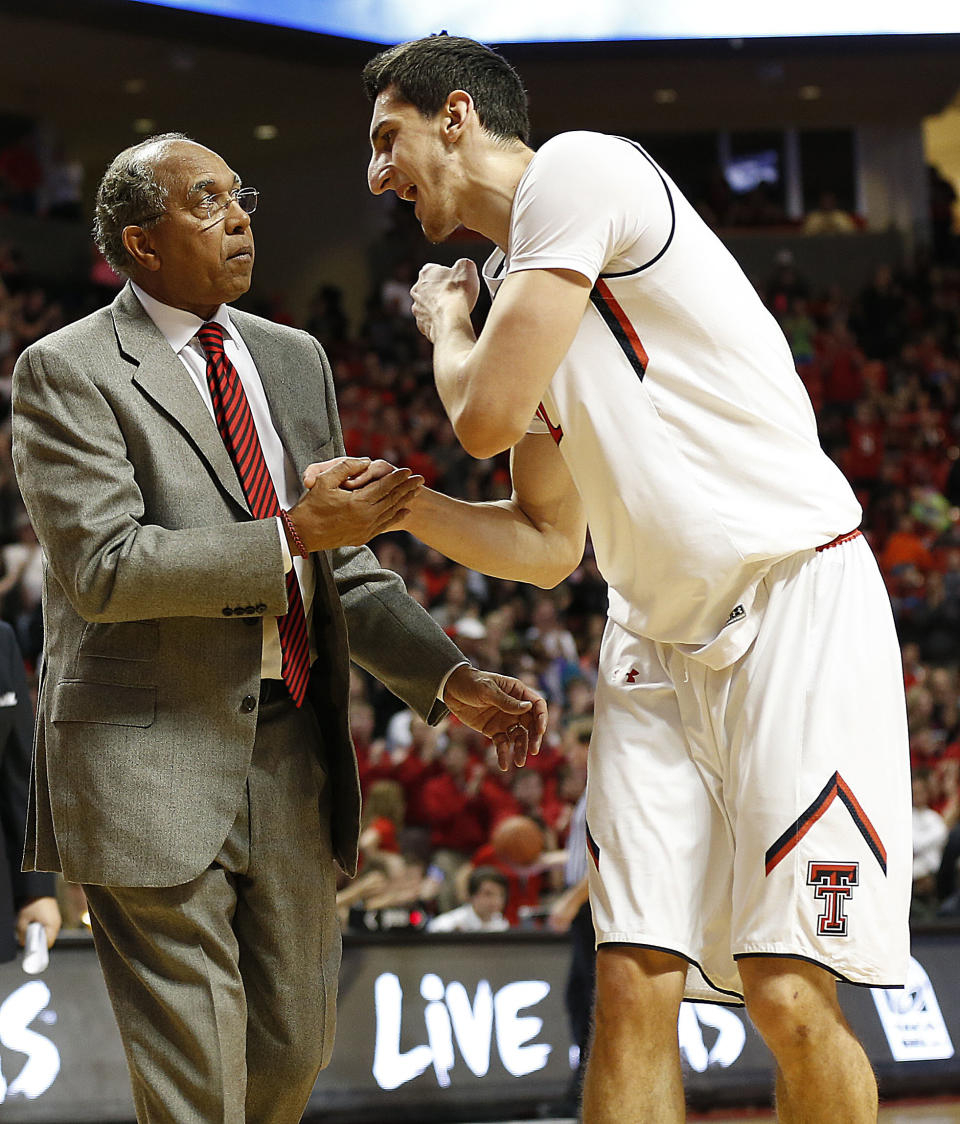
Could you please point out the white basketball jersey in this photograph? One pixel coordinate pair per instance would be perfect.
(678, 410)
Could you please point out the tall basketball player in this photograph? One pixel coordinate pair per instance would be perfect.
(748, 804)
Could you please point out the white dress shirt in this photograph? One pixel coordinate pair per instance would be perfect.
(180, 328)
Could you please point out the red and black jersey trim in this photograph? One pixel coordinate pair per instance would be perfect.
(593, 848)
(834, 788)
(619, 324)
(556, 431)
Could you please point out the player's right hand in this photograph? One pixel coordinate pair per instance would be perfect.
(439, 287)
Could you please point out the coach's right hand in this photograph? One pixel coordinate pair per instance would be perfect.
(340, 510)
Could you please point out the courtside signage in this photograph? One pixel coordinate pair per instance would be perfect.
(427, 1024)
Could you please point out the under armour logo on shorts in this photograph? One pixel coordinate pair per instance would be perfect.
(736, 614)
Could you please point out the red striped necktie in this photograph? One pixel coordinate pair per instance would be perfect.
(235, 422)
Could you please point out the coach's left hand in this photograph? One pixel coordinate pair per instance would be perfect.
(502, 708)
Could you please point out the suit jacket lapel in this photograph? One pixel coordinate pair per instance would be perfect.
(161, 376)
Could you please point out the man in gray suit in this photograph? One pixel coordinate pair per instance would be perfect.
(193, 763)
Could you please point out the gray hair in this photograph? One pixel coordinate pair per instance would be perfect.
(130, 194)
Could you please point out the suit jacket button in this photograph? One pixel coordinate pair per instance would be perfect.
(249, 704)
(227, 611)
(249, 609)
(261, 608)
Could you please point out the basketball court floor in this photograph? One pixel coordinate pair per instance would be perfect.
(905, 1112)
(902, 1112)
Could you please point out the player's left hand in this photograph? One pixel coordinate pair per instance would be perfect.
(502, 708)
(441, 289)
(374, 471)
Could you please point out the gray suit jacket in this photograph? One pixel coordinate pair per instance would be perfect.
(156, 580)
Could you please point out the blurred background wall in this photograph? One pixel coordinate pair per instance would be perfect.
(859, 116)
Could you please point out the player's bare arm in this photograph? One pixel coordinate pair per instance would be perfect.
(536, 536)
(491, 386)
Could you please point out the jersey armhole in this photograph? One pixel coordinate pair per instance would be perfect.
(673, 217)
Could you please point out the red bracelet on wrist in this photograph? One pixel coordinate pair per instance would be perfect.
(293, 535)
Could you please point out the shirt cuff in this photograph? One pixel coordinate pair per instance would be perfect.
(285, 547)
(443, 681)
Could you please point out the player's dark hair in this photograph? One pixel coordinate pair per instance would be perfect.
(425, 71)
(481, 874)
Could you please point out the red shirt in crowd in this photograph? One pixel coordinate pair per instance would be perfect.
(458, 820)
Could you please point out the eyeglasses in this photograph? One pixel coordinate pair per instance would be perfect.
(246, 198)
(212, 207)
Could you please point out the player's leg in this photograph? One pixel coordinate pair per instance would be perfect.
(823, 1075)
(655, 840)
(634, 1069)
(817, 784)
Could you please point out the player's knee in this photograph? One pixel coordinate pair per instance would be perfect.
(789, 1008)
(634, 984)
(781, 1025)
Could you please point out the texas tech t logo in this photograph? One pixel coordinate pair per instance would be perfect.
(833, 883)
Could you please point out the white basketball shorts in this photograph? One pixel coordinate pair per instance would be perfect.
(762, 809)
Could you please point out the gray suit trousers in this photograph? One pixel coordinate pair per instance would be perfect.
(224, 988)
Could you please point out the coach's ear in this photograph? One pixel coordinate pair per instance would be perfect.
(459, 112)
(139, 245)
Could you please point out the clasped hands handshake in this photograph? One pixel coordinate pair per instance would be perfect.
(350, 500)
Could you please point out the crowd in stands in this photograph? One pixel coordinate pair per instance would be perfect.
(882, 367)
(37, 177)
